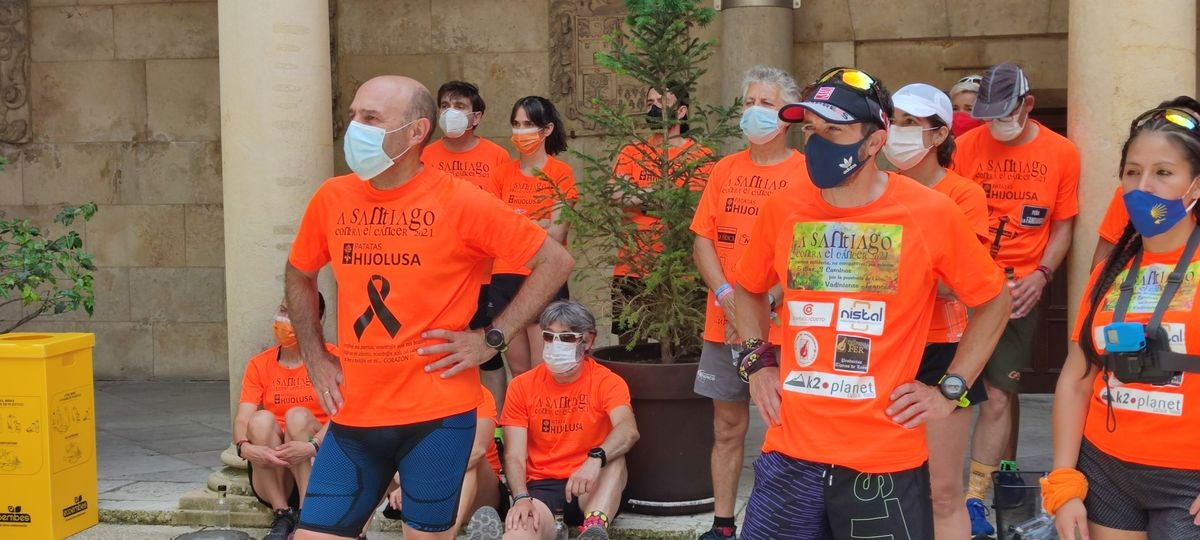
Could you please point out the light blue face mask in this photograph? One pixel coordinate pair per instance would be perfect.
(363, 146)
(760, 124)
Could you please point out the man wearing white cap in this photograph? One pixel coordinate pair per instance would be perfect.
(1031, 176)
(921, 145)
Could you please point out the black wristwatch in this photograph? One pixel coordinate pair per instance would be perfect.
(598, 452)
(954, 388)
(494, 337)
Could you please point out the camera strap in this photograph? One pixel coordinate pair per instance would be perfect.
(1168, 360)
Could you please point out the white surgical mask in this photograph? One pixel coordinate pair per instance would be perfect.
(454, 123)
(364, 151)
(560, 357)
(905, 146)
(1005, 130)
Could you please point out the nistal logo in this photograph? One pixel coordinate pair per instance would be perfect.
(376, 295)
(866, 317)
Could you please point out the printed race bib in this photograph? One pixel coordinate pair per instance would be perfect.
(1132, 399)
(817, 383)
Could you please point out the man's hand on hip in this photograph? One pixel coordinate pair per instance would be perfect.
(462, 350)
(325, 371)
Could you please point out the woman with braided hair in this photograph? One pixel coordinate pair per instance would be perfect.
(1127, 405)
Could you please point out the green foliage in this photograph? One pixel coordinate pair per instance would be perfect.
(45, 274)
(655, 47)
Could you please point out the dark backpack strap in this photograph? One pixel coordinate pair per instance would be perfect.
(1173, 282)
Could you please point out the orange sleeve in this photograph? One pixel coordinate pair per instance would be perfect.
(965, 149)
(565, 176)
(962, 262)
(310, 249)
(1085, 303)
(516, 406)
(755, 271)
(614, 392)
(487, 406)
(252, 386)
(973, 202)
(1116, 218)
(704, 222)
(490, 229)
(1066, 205)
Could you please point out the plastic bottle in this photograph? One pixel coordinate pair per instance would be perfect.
(560, 529)
(221, 516)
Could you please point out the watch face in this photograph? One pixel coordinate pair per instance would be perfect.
(494, 338)
(953, 386)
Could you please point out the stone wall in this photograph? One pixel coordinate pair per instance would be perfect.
(126, 113)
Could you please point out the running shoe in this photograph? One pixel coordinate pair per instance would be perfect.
(979, 521)
(485, 524)
(595, 532)
(283, 525)
(718, 533)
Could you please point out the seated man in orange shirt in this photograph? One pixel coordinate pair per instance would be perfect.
(279, 425)
(567, 427)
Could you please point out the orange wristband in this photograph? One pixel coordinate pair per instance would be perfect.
(1061, 486)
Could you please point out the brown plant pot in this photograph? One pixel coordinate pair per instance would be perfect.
(669, 467)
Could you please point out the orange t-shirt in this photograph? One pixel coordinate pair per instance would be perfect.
(1032, 185)
(564, 421)
(532, 196)
(1155, 424)
(859, 286)
(477, 164)
(1115, 218)
(731, 203)
(277, 389)
(487, 409)
(950, 315)
(639, 163)
(406, 260)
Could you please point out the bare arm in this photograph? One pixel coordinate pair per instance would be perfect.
(558, 228)
(515, 453)
(241, 420)
(1069, 412)
(705, 255)
(1103, 248)
(323, 368)
(754, 313)
(485, 431)
(624, 433)
(1059, 243)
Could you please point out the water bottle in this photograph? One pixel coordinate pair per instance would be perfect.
(1039, 527)
(221, 517)
(560, 529)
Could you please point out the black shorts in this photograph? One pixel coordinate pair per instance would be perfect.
(293, 499)
(1134, 497)
(554, 494)
(504, 288)
(934, 363)
(794, 499)
(623, 287)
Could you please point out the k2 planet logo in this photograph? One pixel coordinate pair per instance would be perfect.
(864, 317)
(15, 515)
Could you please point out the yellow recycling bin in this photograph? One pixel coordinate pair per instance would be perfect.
(47, 436)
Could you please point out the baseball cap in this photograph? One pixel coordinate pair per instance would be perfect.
(923, 100)
(841, 96)
(1002, 84)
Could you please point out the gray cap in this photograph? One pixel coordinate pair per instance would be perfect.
(999, 91)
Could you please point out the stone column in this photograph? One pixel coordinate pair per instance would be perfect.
(1123, 58)
(276, 148)
(753, 32)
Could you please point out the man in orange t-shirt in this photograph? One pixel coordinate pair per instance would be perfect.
(866, 253)
(1031, 176)
(468, 156)
(736, 188)
(567, 427)
(638, 167)
(406, 244)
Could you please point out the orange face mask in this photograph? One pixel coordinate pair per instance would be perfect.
(284, 333)
(526, 140)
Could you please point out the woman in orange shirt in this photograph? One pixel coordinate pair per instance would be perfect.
(535, 185)
(1126, 452)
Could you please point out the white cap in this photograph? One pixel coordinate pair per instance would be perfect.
(923, 100)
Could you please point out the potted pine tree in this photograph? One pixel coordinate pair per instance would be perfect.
(663, 315)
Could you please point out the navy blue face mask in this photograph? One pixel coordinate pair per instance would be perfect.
(829, 164)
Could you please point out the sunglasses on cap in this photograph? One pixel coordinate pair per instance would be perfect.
(854, 78)
(1180, 117)
(565, 337)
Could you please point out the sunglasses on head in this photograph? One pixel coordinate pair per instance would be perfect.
(1180, 117)
(565, 337)
(973, 79)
